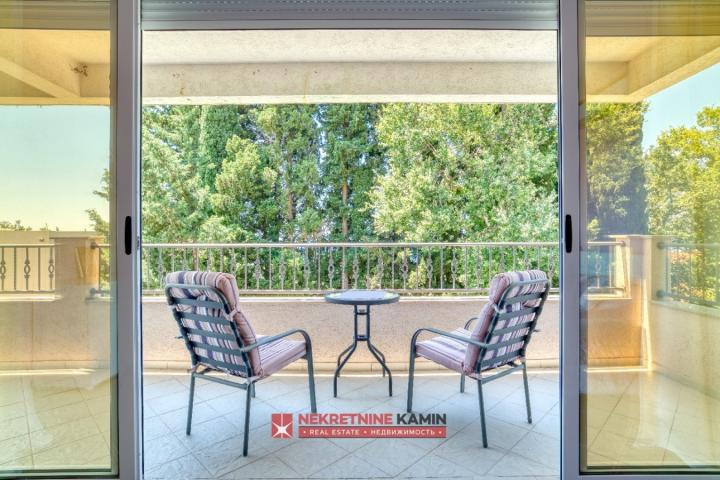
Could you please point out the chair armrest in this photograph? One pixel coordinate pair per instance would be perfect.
(446, 334)
(472, 319)
(274, 338)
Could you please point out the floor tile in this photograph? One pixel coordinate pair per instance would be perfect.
(266, 467)
(14, 448)
(392, 456)
(162, 450)
(186, 467)
(310, 455)
(351, 467)
(434, 466)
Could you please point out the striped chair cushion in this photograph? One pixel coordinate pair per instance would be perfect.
(226, 284)
(280, 353)
(448, 352)
(498, 285)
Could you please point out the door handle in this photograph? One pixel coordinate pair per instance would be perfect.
(568, 234)
(128, 235)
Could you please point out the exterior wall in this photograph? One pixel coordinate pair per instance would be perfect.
(61, 329)
(684, 344)
(330, 327)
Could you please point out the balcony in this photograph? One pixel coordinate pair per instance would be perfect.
(640, 308)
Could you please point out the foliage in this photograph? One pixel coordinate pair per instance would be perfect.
(683, 171)
(15, 226)
(615, 169)
(350, 162)
(475, 172)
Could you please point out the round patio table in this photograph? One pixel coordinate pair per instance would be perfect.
(366, 299)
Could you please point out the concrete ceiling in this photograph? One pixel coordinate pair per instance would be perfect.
(283, 66)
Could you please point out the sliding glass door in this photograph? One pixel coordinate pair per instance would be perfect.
(649, 226)
(64, 278)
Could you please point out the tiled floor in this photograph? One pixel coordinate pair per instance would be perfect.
(214, 450)
(50, 419)
(54, 418)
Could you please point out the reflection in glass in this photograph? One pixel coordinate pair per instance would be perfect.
(651, 379)
(57, 368)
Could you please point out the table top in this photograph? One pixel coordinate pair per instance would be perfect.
(362, 297)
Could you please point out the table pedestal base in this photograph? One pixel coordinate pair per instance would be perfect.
(348, 352)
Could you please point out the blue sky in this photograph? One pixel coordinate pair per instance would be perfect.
(679, 104)
(53, 157)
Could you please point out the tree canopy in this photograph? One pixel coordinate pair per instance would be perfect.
(349, 172)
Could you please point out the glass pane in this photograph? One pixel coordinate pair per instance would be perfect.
(650, 388)
(57, 333)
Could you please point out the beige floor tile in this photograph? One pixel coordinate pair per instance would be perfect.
(54, 400)
(13, 410)
(266, 467)
(226, 456)
(392, 456)
(351, 467)
(540, 449)
(62, 434)
(162, 450)
(24, 463)
(515, 465)
(434, 466)
(310, 455)
(14, 448)
(57, 416)
(71, 455)
(186, 467)
(13, 428)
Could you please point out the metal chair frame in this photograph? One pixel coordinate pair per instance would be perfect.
(211, 364)
(485, 346)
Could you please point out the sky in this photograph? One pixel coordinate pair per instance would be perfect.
(679, 104)
(53, 157)
(51, 160)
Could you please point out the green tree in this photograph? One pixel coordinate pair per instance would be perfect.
(615, 169)
(244, 204)
(350, 161)
(474, 172)
(174, 198)
(683, 179)
(287, 141)
(99, 224)
(15, 226)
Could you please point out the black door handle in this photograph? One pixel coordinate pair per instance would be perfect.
(568, 234)
(128, 235)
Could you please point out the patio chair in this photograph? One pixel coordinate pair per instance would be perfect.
(220, 338)
(498, 340)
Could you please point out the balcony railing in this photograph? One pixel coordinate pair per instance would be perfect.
(692, 273)
(27, 268)
(427, 268)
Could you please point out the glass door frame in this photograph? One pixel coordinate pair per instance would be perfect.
(572, 194)
(126, 119)
(573, 203)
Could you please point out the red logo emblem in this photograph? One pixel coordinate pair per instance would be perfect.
(281, 425)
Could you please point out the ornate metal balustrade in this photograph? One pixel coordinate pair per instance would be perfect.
(691, 273)
(27, 268)
(427, 268)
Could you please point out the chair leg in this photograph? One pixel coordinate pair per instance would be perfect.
(527, 393)
(462, 383)
(248, 396)
(482, 413)
(190, 404)
(311, 380)
(411, 374)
